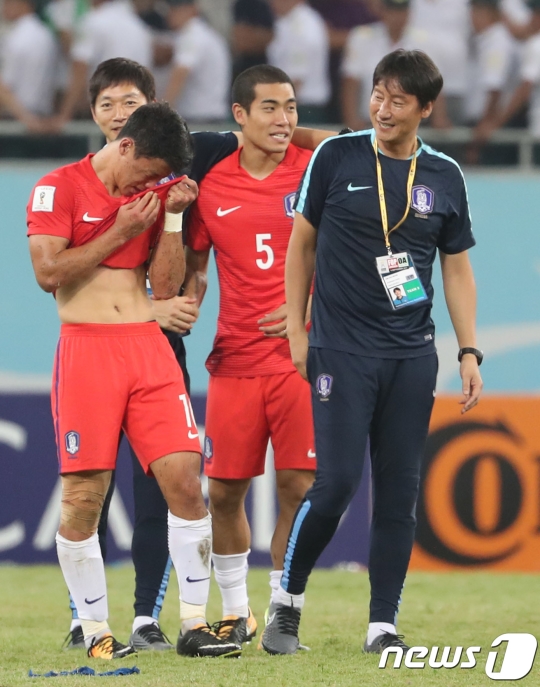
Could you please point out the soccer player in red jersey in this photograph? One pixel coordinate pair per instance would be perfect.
(255, 394)
(92, 244)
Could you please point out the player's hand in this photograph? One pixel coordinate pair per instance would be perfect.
(177, 314)
(298, 343)
(471, 382)
(279, 318)
(181, 195)
(135, 217)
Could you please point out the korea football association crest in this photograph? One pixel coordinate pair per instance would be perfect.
(73, 443)
(324, 386)
(288, 202)
(422, 199)
(208, 450)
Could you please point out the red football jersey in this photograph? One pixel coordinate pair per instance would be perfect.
(72, 202)
(248, 222)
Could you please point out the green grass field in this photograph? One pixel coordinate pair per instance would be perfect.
(460, 609)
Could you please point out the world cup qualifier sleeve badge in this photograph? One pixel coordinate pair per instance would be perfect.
(324, 386)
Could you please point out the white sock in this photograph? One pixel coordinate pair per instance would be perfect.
(231, 575)
(275, 583)
(190, 547)
(142, 620)
(376, 629)
(74, 623)
(84, 573)
(283, 597)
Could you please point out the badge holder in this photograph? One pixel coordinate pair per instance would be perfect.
(400, 280)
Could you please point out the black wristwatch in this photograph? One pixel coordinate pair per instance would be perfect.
(475, 351)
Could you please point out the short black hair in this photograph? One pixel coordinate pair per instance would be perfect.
(159, 132)
(415, 72)
(243, 90)
(118, 71)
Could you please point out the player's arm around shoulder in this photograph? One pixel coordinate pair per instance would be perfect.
(167, 266)
(460, 294)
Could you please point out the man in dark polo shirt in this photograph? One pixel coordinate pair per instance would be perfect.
(372, 210)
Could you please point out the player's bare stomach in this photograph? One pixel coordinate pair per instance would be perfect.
(108, 296)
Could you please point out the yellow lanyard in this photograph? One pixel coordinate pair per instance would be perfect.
(382, 198)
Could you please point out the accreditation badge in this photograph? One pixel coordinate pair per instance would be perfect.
(400, 280)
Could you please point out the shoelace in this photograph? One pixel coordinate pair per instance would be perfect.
(288, 619)
(152, 633)
(73, 635)
(223, 628)
(389, 639)
(205, 628)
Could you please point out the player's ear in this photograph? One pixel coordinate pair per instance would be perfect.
(126, 145)
(239, 114)
(427, 110)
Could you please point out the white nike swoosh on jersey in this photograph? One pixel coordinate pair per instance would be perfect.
(192, 435)
(311, 454)
(350, 187)
(222, 213)
(86, 218)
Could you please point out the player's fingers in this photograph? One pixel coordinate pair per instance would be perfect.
(145, 200)
(279, 335)
(271, 317)
(151, 212)
(274, 328)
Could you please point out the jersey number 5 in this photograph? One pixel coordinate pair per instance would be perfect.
(263, 248)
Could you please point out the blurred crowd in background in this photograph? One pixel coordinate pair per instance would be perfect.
(487, 50)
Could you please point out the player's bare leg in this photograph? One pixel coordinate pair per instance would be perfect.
(291, 486)
(190, 548)
(230, 557)
(230, 525)
(80, 558)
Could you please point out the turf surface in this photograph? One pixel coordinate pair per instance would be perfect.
(458, 609)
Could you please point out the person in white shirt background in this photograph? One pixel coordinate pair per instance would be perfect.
(201, 74)
(442, 29)
(301, 49)
(492, 69)
(526, 92)
(111, 28)
(366, 45)
(29, 55)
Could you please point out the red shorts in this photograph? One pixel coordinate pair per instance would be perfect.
(109, 377)
(242, 414)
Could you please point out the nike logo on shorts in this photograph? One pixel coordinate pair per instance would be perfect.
(87, 218)
(350, 187)
(311, 454)
(202, 579)
(222, 213)
(93, 601)
(193, 435)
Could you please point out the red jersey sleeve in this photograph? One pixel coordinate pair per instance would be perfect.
(197, 235)
(50, 208)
